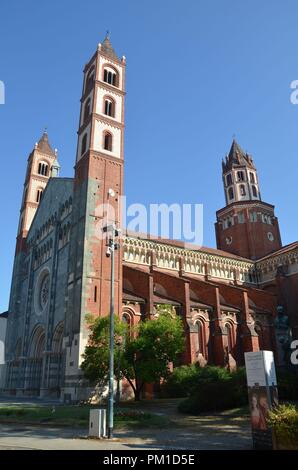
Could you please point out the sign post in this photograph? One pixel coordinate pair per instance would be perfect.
(262, 395)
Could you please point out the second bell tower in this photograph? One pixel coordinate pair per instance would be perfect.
(246, 226)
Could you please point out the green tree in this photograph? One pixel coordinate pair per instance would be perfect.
(146, 351)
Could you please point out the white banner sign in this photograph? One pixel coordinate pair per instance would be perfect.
(260, 368)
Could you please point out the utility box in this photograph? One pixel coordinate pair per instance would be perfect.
(98, 423)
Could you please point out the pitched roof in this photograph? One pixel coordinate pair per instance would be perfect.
(237, 157)
(44, 145)
(107, 48)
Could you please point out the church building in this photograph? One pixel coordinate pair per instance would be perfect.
(228, 297)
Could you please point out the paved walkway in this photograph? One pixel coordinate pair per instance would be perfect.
(225, 430)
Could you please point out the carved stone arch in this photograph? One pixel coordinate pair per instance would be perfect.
(57, 339)
(128, 316)
(37, 342)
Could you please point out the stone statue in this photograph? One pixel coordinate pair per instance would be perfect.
(283, 333)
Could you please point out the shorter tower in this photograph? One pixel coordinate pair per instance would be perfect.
(246, 226)
(42, 164)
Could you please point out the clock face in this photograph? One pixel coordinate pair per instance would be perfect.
(270, 236)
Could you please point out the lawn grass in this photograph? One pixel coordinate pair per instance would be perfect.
(78, 416)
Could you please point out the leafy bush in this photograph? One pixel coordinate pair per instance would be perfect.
(214, 396)
(181, 381)
(284, 422)
(185, 380)
(287, 382)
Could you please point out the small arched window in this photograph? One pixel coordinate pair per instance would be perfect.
(231, 193)
(201, 338)
(110, 77)
(38, 195)
(252, 177)
(108, 141)
(84, 144)
(230, 336)
(127, 320)
(87, 110)
(43, 168)
(90, 79)
(254, 191)
(242, 190)
(109, 107)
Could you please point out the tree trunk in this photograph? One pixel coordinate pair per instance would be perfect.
(137, 393)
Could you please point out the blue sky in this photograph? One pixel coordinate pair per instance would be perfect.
(198, 72)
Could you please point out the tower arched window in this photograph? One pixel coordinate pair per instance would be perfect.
(109, 107)
(90, 79)
(252, 177)
(108, 141)
(254, 191)
(84, 144)
(87, 109)
(240, 176)
(110, 77)
(38, 195)
(229, 179)
(231, 193)
(43, 168)
(242, 190)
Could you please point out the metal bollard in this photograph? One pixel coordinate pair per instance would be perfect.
(98, 423)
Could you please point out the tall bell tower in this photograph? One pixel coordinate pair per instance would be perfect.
(98, 184)
(246, 226)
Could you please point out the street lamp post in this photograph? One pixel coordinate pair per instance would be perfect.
(119, 343)
(112, 246)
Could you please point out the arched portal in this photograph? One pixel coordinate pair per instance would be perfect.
(35, 360)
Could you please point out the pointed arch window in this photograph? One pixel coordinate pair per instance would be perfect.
(108, 141)
(109, 107)
(254, 191)
(231, 193)
(43, 168)
(84, 144)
